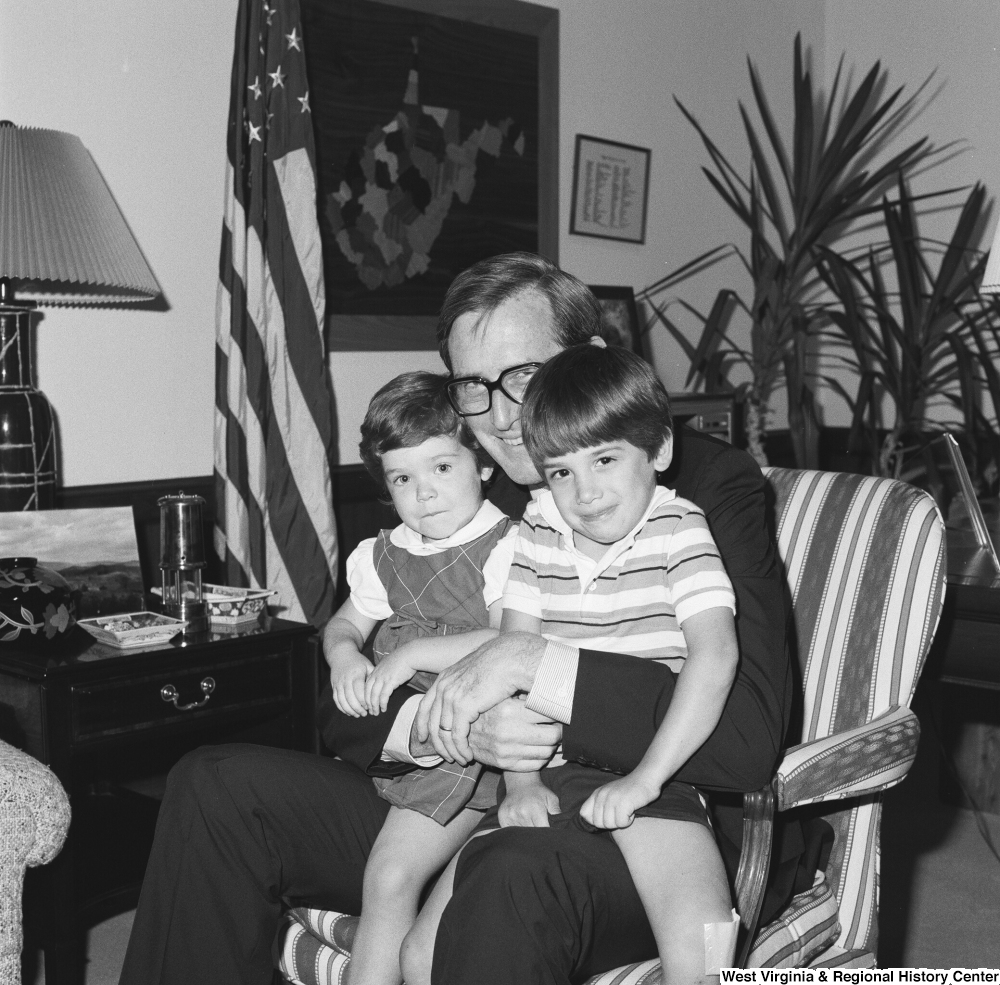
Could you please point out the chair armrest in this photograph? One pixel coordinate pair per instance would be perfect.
(30, 789)
(34, 817)
(862, 760)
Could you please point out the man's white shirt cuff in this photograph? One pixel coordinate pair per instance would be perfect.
(551, 693)
(397, 746)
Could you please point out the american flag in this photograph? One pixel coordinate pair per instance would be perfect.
(274, 412)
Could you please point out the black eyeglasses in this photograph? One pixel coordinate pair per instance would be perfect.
(472, 395)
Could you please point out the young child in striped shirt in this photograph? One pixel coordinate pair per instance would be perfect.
(607, 558)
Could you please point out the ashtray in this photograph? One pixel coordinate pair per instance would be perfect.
(125, 629)
(229, 606)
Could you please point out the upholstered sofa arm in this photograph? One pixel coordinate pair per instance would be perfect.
(34, 818)
(861, 760)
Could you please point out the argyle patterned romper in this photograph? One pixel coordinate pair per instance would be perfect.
(433, 595)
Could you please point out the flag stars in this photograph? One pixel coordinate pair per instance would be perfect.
(256, 89)
(269, 12)
(277, 78)
(254, 132)
(294, 39)
(304, 100)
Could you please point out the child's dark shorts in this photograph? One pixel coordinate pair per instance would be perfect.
(573, 784)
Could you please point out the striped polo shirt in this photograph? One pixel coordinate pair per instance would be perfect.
(636, 597)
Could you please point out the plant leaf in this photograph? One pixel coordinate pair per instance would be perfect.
(763, 172)
(946, 291)
(764, 109)
(686, 270)
(830, 104)
(802, 132)
(713, 332)
(679, 337)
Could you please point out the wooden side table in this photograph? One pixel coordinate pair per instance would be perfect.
(113, 721)
(964, 666)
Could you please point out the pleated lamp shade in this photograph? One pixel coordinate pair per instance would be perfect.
(63, 239)
(991, 278)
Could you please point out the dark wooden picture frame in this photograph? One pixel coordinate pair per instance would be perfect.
(610, 190)
(396, 325)
(620, 322)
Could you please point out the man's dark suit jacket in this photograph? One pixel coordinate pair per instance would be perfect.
(620, 701)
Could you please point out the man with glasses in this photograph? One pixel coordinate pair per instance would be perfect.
(245, 831)
(472, 395)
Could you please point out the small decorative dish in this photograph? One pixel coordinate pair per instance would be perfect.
(127, 629)
(229, 606)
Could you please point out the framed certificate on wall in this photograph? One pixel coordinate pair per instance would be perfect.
(610, 190)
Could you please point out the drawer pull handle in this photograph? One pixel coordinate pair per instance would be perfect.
(169, 694)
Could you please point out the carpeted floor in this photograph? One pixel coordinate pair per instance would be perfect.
(940, 897)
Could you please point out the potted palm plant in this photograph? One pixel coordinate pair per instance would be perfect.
(917, 337)
(794, 201)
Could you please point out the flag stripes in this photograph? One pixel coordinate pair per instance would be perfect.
(274, 412)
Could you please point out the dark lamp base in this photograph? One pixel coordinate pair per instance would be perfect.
(27, 429)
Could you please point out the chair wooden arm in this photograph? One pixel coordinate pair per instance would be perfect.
(755, 859)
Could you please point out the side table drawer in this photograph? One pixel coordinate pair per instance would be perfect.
(172, 697)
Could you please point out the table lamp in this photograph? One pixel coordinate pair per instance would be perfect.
(63, 241)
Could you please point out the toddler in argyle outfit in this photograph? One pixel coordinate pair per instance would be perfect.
(436, 583)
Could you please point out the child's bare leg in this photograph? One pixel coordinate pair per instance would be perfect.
(678, 872)
(417, 951)
(410, 848)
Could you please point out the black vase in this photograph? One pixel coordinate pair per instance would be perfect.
(28, 448)
(36, 603)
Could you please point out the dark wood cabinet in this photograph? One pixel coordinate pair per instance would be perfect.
(111, 722)
(963, 676)
(715, 414)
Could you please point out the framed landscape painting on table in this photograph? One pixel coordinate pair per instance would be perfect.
(95, 550)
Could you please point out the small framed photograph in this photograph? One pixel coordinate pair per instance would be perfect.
(610, 190)
(620, 316)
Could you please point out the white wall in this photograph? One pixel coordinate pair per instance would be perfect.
(957, 40)
(145, 86)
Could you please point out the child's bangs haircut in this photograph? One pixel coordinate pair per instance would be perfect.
(589, 395)
(406, 412)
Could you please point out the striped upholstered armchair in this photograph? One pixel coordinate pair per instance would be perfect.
(865, 566)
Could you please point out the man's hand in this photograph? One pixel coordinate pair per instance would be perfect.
(509, 737)
(614, 805)
(499, 669)
(391, 672)
(528, 802)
